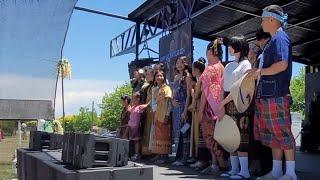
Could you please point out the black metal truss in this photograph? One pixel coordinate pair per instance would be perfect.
(165, 20)
(250, 16)
(295, 25)
(306, 41)
(162, 21)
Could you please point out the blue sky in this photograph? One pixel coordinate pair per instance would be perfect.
(87, 48)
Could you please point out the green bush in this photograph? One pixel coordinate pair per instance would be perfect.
(110, 107)
(68, 123)
(82, 122)
(31, 124)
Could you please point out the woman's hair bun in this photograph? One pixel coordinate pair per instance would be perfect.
(202, 60)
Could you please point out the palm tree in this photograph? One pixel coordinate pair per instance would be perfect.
(63, 71)
(64, 68)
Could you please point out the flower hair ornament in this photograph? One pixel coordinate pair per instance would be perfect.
(215, 45)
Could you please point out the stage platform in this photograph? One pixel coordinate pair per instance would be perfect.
(307, 167)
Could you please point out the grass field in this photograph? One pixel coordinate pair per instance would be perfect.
(6, 172)
(8, 145)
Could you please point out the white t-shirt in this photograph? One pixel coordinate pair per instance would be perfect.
(227, 75)
(234, 71)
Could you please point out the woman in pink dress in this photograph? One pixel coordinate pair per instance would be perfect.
(209, 111)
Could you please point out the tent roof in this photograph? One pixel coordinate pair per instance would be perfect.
(243, 17)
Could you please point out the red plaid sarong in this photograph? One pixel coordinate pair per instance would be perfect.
(272, 123)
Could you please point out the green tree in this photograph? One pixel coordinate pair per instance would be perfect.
(68, 123)
(297, 89)
(110, 107)
(82, 122)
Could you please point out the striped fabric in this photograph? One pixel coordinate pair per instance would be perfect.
(244, 122)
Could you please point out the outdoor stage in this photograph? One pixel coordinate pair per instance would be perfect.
(307, 167)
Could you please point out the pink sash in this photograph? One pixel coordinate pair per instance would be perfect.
(211, 86)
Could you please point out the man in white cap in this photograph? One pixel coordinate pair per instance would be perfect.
(272, 122)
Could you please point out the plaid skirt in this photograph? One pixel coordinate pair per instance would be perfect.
(272, 123)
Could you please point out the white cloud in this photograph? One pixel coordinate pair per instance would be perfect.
(81, 92)
(77, 92)
(15, 86)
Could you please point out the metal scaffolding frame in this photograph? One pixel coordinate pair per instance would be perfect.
(166, 15)
(165, 20)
